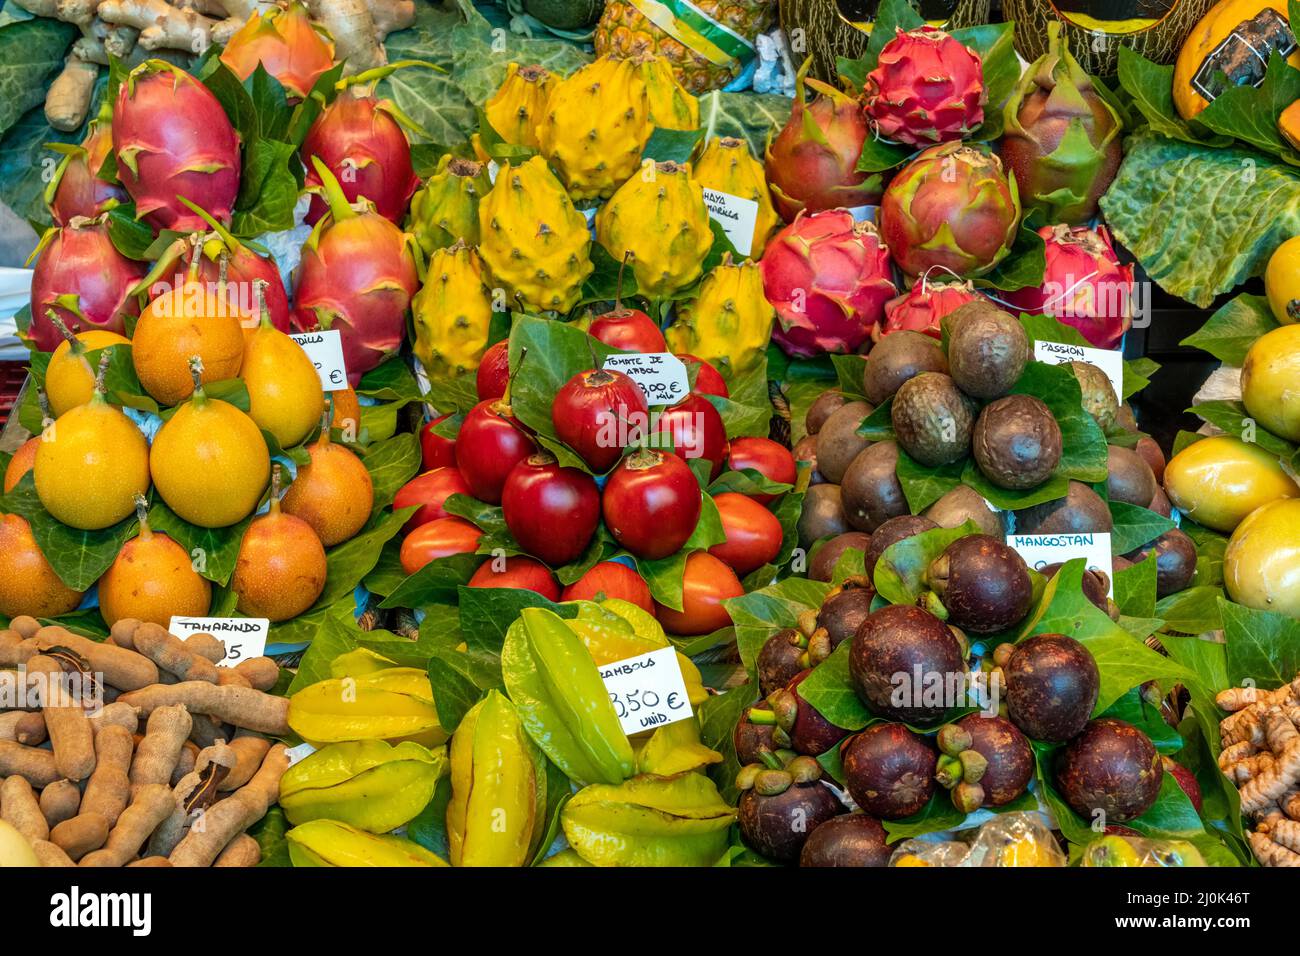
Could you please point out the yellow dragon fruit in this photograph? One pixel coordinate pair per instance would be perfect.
(728, 321)
(517, 106)
(670, 105)
(659, 217)
(452, 312)
(446, 208)
(727, 166)
(532, 240)
(596, 123)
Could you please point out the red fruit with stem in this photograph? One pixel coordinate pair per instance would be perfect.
(651, 503)
(430, 492)
(552, 511)
(516, 571)
(76, 189)
(629, 330)
(436, 451)
(437, 539)
(696, 430)
(706, 583)
(171, 138)
(708, 380)
(598, 413)
(286, 44)
(611, 579)
(927, 88)
(362, 145)
(753, 533)
(81, 276)
(922, 307)
(770, 459)
(493, 371)
(358, 275)
(490, 443)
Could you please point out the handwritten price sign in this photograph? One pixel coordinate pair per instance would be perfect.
(661, 375)
(325, 349)
(647, 691)
(245, 637)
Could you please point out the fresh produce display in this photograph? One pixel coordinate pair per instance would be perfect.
(444, 447)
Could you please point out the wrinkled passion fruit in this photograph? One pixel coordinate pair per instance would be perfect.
(891, 532)
(1052, 685)
(1017, 442)
(889, 771)
(983, 584)
(894, 646)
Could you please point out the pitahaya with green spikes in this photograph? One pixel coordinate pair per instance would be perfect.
(172, 138)
(446, 207)
(358, 275)
(81, 276)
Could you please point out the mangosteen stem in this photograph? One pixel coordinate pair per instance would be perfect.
(763, 718)
(771, 760)
(932, 604)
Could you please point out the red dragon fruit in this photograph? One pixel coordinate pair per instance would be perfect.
(80, 274)
(286, 44)
(76, 189)
(364, 147)
(951, 208)
(828, 279)
(922, 308)
(172, 138)
(358, 275)
(926, 88)
(813, 162)
(1084, 285)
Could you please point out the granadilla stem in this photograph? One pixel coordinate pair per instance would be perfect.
(62, 326)
(196, 373)
(259, 302)
(142, 516)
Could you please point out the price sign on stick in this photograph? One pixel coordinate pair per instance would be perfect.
(735, 215)
(661, 375)
(1040, 550)
(245, 637)
(325, 349)
(647, 691)
(1059, 353)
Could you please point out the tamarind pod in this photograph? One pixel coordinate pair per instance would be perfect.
(151, 861)
(240, 706)
(231, 816)
(80, 835)
(170, 654)
(249, 750)
(391, 704)
(25, 625)
(229, 677)
(117, 713)
(262, 673)
(160, 748)
(151, 805)
(123, 669)
(498, 787)
(109, 788)
(206, 645)
(242, 851)
(21, 810)
(35, 765)
(26, 727)
(71, 733)
(207, 730)
(122, 633)
(60, 801)
(51, 854)
(185, 762)
(10, 642)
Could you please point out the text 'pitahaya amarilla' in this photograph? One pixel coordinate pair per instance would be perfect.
(596, 124)
(1084, 285)
(534, 243)
(360, 142)
(812, 164)
(76, 188)
(519, 103)
(81, 276)
(658, 223)
(446, 207)
(828, 277)
(172, 138)
(728, 321)
(1061, 138)
(284, 42)
(927, 88)
(727, 166)
(452, 312)
(951, 209)
(922, 307)
(358, 275)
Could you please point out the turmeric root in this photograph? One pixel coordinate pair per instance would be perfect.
(1271, 853)
(240, 706)
(1290, 804)
(20, 809)
(36, 766)
(71, 735)
(50, 854)
(170, 654)
(151, 805)
(60, 801)
(1284, 740)
(242, 851)
(27, 728)
(233, 815)
(161, 746)
(1248, 768)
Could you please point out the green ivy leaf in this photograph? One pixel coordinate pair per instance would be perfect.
(1263, 646)
(1192, 611)
(392, 463)
(1232, 418)
(1233, 329)
(1134, 527)
(900, 575)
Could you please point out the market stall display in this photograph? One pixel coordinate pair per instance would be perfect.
(588, 466)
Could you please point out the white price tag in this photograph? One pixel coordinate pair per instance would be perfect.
(735, 215)
(325, 349)
(647, 691)
(245, 637)
(1109, 361)
(299, 753)
(661, 375)
(1040, 550)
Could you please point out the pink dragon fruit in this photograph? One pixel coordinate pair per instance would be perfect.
(828, 279)
(285, 43)
(358, 275)
(1084, 285)
(364, 147)
(922, 307)
(813, 162)
(926, 88)
(80, 274)
(76, 189)
(951, 208)
(172, 138)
